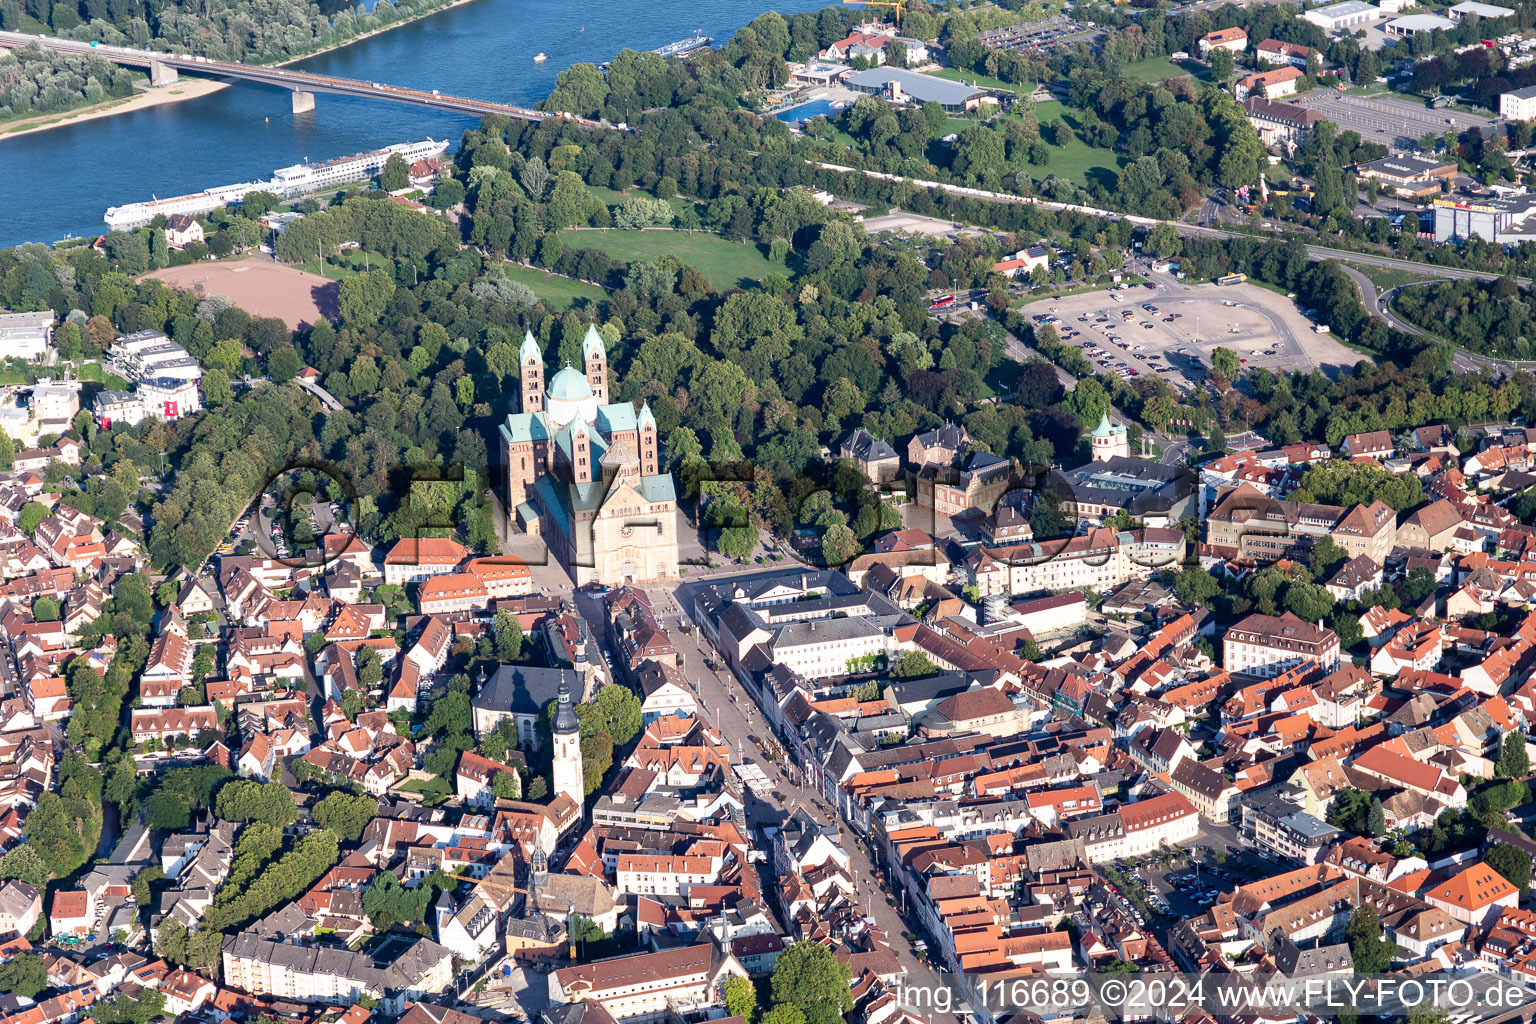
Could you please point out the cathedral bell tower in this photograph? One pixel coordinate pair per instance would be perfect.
(568, 777)
(594, 358)
(530, 368)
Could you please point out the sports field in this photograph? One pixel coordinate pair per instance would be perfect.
(259, 287)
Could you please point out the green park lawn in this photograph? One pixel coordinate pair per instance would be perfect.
(614, 197)
(1154, 69)
(1077, 160)
(558, 293)
(429, 788)
(980, 80)
(724, 263)
(96, 374)
(338, 269)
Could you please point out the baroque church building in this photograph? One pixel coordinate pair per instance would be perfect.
(586, 475)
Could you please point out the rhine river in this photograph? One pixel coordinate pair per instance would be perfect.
(60, 182)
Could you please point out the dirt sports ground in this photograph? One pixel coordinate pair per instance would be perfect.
(259, 287)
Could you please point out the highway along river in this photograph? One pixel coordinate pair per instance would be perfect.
(59, 182)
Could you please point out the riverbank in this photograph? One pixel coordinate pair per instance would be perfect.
(143, 99)
(185, 88)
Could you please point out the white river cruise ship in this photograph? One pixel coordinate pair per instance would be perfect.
(285, 181)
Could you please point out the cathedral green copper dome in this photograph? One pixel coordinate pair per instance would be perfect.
(569, 385)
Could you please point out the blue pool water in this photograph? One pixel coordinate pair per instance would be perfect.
(806, 111)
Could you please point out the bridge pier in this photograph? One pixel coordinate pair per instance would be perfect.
(161, 74)
(303, 102)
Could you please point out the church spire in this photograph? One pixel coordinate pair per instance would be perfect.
(568, 777)
(566, 721)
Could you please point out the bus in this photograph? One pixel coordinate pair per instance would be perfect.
(1232, 279)
(942, 302)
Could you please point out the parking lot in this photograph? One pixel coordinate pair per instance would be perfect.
(1390, 120)
(1169, 337)
(1174, 338)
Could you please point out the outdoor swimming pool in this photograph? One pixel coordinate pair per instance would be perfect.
(806, 111)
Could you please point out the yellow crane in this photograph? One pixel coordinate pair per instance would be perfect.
(570, 915)
(897, 5)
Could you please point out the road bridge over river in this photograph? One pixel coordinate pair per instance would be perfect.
(163, 69)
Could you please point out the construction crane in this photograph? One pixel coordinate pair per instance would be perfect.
(570, 914)
(898, 5)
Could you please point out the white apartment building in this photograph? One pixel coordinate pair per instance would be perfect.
(820, 648)
(145, 354)
(1137, 829)
(1158, 823)
(113, 407)
(1233, 39)
(169, 398)
(322, 974)
(812, 623)
(1518, 105)
(1267, 645)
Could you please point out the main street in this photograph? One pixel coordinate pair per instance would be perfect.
(728, 707)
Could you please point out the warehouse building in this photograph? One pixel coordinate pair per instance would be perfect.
(1348, 14)
(1413, 24)
(1506, 221)
(1467, 7)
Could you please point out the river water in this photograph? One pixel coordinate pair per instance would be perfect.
(60, 182)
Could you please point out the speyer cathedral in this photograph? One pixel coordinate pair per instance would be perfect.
(586, 474)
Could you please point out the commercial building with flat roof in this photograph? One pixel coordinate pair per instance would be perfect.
(1412, 174)
(26, 335)
(899, 86)
(1506, 221)
(1338, 16)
